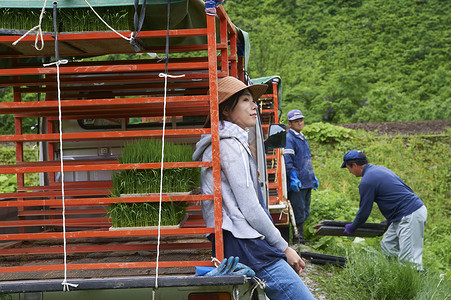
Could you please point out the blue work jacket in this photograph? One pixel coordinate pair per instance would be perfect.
(298, 157)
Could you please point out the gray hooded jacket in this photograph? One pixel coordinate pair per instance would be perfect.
(242, 213)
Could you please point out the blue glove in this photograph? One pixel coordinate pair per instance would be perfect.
(316, 186)
(229, 266)
(348, 229)
(242, 269)
(225, 267)
(295, 183)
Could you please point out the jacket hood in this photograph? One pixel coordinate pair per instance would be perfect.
(201, 146)
(226, 130)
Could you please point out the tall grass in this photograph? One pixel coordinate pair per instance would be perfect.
(148, 181)
(371, 276)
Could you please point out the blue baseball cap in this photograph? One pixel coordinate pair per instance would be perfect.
(352, 154)
(294, 115)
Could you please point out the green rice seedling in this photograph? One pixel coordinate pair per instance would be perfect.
(147, 181)
(69, 19)
(146, 214)
(371, 275)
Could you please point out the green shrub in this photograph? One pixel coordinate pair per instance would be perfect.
(326, 133)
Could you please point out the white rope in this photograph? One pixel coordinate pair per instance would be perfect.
(65, 284)
(107, 25)
(259, 283)
(38, 28)
(215, 261)
(283, 212)
(236, 293)
(161, 172)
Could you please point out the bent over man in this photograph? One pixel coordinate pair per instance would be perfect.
(403, 209)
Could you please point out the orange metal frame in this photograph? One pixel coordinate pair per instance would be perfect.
(270, 113)
(117, 101)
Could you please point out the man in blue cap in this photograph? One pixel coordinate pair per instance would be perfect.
(403, 209)
(299, 169)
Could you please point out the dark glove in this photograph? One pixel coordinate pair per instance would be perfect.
(295, 183)
(316, 185)
(348, 229)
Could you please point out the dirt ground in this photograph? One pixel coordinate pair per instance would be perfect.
(415, 127)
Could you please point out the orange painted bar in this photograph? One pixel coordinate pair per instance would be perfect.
(92, 192)
(103, 248)
(214, 120)
(56, 222)
(105, 104)
(58, 212)
(75, 202)
(72, 184)
(20, 169)
(96, 36)
(70, 79)
(103, 266)
(103, 233)
(64, 69)
(113, 135)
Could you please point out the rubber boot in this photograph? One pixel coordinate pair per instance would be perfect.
(300, 227)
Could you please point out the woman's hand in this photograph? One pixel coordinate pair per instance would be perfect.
(294, 260)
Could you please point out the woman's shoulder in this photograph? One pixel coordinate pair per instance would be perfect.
(230, 142)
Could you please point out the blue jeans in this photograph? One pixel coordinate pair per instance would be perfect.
(282, 282)
(300, 201)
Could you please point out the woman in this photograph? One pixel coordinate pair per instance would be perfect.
(248, 230)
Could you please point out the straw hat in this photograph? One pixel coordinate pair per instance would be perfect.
(229, 86)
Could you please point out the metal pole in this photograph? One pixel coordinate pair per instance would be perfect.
(55, 27)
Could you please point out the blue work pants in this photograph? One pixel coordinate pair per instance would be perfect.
(300, 201)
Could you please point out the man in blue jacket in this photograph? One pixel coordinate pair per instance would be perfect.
(299, 170)
(403, 209)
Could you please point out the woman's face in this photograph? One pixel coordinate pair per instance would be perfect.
(244, 114)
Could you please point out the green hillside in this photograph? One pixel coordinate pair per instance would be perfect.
(346, 61)
(356, 60)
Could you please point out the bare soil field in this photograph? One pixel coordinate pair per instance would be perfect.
(410, 128)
